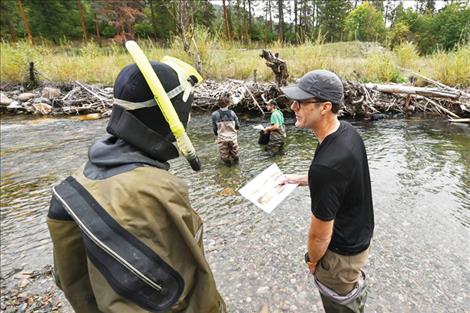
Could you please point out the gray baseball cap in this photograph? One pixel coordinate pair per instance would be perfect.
(319, 84)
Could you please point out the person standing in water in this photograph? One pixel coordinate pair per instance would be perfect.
(225, 125)
(125, 237)
(276, 131)
(342, 220)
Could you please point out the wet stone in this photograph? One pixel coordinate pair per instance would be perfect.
(42, 100)
(262, 290)
(14, 105)
(26, 96)
(252, 275)
(50, 92)
(4, 100)
(42, 108)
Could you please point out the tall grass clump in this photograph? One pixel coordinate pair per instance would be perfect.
(407, 55)
(223, 59)
(380, 67)
(451, 68)
(89, 63)
(15, 58)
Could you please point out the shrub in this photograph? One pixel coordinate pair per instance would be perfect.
(380, 67)
(407, 55)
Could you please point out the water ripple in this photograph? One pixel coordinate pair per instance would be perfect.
(420, 180)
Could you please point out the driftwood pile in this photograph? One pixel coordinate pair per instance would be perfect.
(363, 101)
(72, 99)
(374, 101)
(369, 101)
(245, 96)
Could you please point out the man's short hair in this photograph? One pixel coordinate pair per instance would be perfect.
(272, 102)
(334, 105)
(224, 102)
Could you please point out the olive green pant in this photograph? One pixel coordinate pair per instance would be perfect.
(276, 141)
(341, 273)
(356, 306)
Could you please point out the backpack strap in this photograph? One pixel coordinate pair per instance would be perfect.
(131, 268)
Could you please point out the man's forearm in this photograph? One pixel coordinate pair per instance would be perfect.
(316, 248)
(301, 180)
(272, 127)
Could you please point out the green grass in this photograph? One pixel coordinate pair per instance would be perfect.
(356, 61)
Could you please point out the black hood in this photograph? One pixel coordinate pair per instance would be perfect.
(130, 86)
(136, 118)
(111, 156)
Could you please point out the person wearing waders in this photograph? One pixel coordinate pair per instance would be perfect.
(125, 237)
(225, 125)
(276, 131)
(342, 220)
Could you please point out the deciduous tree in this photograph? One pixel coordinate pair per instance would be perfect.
(365, 23)
(122, 15)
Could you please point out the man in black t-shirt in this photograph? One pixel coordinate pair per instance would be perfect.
(342, 219)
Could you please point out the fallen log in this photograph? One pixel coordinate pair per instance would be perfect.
(459, 120)
(438, 84)
(423, 91)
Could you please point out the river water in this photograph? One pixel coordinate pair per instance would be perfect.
(420, 171)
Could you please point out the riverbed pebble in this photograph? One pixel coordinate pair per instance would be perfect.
(262, 290)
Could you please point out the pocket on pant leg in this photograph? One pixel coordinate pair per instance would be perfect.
(325, 271)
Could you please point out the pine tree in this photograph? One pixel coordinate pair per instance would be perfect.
(331, 18)
(9, 17)
(280, 7)
(226, 21)
(82, 21)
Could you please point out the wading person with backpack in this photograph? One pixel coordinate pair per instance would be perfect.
(225, 125)
(342, 220)
(125, 236)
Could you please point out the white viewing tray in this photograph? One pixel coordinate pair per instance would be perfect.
(264, 190)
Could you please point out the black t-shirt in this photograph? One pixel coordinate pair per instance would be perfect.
(340, 190)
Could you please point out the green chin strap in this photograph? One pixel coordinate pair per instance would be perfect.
(188, 77)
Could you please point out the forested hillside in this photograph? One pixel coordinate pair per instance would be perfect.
(430, 24)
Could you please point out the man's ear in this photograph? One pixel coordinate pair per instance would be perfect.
(327, 106)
